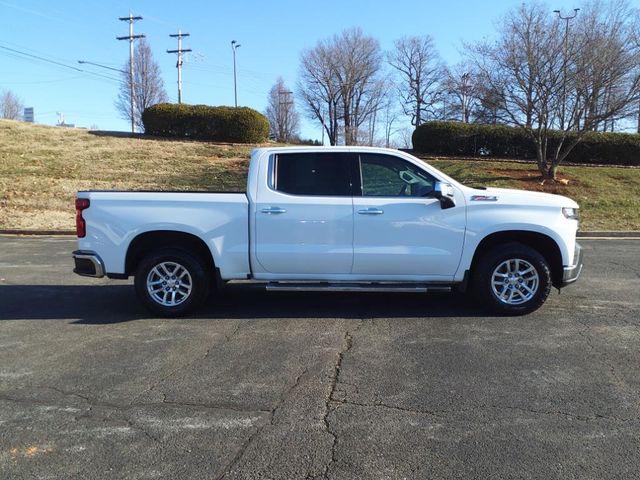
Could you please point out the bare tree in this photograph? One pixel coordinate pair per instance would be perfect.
(546, 80)
(11, 107)
(420, 71)
(340, 84)
(636, 40)
(606, 64)
(281, 113)
(389, 116)
(406, 137)
(148, 85)
(462, 86)
(488, 108)
(319, 88)
(359, 62)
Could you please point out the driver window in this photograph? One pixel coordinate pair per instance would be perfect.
(388, 176)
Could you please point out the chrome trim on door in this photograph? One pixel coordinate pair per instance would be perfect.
(273, 210)
(371, 211)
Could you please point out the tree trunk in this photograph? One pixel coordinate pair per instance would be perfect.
(542, 162)
(541, 156)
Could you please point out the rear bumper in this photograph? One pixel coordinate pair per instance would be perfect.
(88, 264)
(571, 273)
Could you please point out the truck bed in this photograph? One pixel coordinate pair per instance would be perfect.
(115, 218)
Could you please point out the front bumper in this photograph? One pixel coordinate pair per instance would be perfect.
(88, 264)
(571, 274)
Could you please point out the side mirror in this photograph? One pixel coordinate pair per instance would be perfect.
(444, 192)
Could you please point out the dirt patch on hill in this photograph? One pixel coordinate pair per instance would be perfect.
(532, 180)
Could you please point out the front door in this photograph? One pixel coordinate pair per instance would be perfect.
(400, 229)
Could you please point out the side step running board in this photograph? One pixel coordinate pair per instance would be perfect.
(355, 287)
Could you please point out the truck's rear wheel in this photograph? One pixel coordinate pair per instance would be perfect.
(512, 279)
(171, 282)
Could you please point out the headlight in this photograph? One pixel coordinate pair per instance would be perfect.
(571, 213)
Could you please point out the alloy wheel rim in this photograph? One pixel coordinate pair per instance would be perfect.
(169, 284)
(515, 281)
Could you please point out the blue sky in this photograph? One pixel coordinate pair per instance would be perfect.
(273, 33)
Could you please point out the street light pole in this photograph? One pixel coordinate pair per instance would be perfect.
(564, 68)
(234, 46)
(465, 113)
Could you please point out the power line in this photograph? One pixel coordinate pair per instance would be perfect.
(53, 62)
(101, 66)
(38, 82)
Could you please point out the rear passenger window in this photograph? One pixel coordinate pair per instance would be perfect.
(325, 174)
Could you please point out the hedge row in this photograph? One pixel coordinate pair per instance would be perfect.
(455, 138)
(202, 122)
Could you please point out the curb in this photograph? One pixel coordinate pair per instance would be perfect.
(38, 232)
(614, 234)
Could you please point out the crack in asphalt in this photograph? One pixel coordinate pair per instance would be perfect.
(209, 406)
(144, 431)
(347, 344)
(188, 364)
(272, 418)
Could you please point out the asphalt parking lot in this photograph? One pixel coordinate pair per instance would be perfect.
(310, 386)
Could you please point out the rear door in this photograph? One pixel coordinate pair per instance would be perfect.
(304, 218)
(400, 229)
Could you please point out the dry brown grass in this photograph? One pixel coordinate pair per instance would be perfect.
(41, 168)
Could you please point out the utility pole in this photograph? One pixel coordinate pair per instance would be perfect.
(131, 37)
(179, 51)
(284, 108)
(234, 46)
(564, 63)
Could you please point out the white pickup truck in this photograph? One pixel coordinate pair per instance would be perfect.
(333, 218)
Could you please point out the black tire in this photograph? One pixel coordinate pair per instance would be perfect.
(523, 290)
(177, 296)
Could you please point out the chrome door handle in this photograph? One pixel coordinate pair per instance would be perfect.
(273, 210)
(371, 211)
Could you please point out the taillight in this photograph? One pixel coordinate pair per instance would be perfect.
(81, 226)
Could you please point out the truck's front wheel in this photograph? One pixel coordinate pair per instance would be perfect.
(512, 279)
(171, 282)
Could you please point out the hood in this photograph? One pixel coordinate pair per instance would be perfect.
(517, 197)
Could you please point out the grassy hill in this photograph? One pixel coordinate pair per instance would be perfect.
(41, 168)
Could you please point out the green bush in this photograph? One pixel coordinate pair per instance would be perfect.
(202, 122)
(500, 141)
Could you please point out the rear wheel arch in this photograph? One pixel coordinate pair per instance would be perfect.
(148, 242)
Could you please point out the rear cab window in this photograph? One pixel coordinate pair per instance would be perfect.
(313, 174)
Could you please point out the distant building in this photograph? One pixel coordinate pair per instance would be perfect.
(28, 114)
